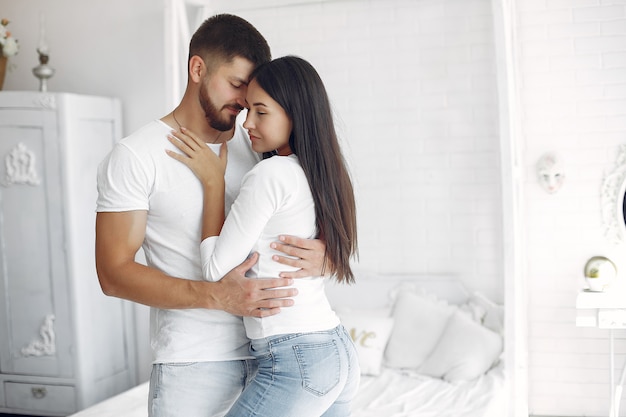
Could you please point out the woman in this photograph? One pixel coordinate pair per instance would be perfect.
(307, 362)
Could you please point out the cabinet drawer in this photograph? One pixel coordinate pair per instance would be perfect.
(40, 397)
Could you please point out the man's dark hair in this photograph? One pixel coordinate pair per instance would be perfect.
(223, 37)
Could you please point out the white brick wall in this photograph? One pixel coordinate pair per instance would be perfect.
(414, 87)
(573, 78)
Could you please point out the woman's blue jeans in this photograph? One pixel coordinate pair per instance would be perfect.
(301, 375)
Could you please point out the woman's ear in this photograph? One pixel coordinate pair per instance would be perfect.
(196, 68)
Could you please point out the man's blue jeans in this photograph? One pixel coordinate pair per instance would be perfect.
(197, 389)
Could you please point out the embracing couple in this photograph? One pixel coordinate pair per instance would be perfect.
(215, 205)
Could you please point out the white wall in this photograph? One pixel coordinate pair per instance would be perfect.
(573, 77)
(109, 48)
(413, 84)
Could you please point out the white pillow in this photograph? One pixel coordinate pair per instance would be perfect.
(465, 351)
(494, 313)
(370, 334)
(419, 322)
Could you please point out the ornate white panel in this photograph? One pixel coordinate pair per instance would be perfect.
(20, 166)
(612, 198)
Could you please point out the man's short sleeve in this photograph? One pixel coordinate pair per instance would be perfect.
(123, 182)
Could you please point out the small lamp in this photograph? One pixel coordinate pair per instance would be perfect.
(43, 71)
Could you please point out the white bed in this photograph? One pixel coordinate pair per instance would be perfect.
(443, 355)
(427, 347)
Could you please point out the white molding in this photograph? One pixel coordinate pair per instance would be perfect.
(46, 101)
(20, 165)
(46, 344)
(612, 198)
(515, 289)
(182, 17)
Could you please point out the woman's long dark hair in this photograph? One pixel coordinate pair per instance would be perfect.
(294, 84)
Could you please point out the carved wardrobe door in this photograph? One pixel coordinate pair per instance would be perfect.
(63, 344)
(32, 267)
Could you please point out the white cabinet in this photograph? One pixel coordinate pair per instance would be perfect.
(64, 345)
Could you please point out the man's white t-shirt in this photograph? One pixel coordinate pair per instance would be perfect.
(139, 175)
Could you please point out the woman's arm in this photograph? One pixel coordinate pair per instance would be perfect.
(256, 203)
(210, 169)
(119, 237)
(310, 254)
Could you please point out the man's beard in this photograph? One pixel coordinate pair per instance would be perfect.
(213, 116)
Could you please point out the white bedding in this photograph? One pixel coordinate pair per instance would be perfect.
(393, 392)
(402, 393)
(132, 403)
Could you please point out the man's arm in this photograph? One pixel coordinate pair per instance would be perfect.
(118, 238)
(310, 256)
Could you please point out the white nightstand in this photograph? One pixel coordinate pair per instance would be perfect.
(605, 310)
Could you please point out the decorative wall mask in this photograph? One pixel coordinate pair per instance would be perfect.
(550, 173)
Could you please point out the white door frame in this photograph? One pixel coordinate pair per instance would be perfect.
(181, 18)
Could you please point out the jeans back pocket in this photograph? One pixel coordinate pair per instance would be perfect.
(320, 366)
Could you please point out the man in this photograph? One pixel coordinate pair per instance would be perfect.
(148, 200)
